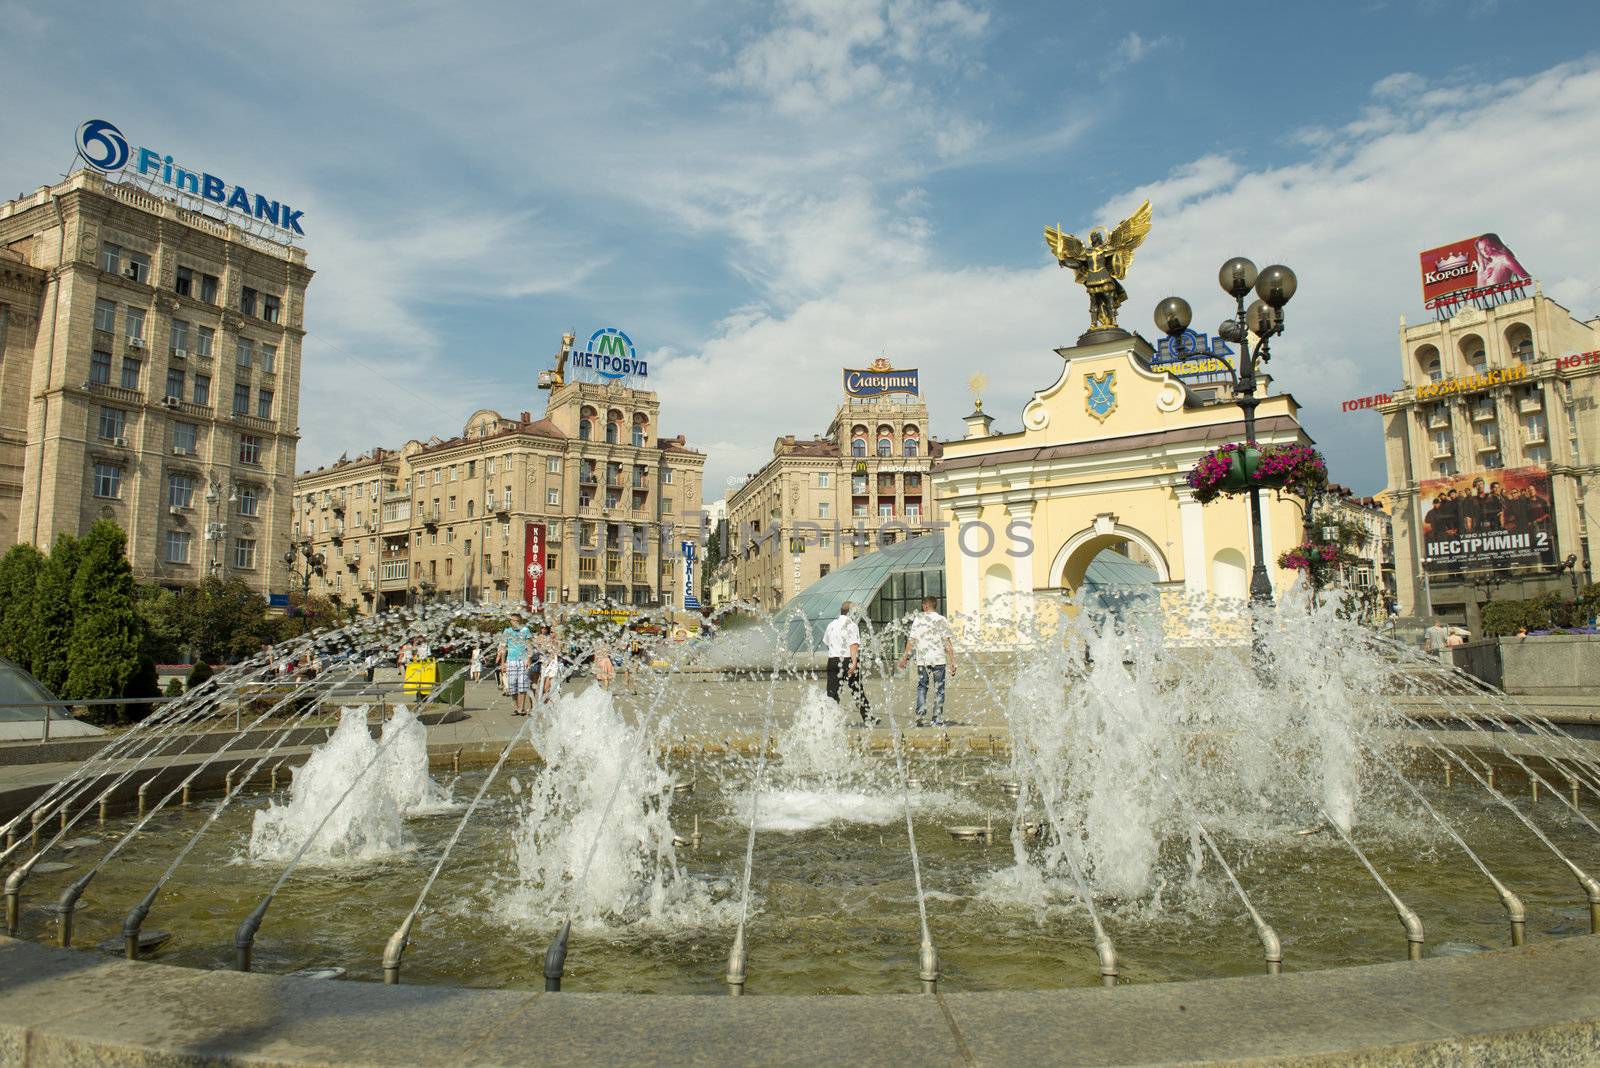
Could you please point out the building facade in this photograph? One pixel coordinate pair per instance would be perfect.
(1490, 449)
(1101, 463)
(151, 376)
(821, 502)
(591, 489)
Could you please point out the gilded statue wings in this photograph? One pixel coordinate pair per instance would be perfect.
(1128, 236)
(1064, 245)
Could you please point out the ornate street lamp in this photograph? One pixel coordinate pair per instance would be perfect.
(1264, 318)
(314, 564)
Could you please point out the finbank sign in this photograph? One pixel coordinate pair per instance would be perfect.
(103, 147)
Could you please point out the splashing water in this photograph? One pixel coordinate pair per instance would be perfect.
(816, 745)
(367, 824)
(567, 816)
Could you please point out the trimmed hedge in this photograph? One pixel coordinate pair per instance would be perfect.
(1549, 611)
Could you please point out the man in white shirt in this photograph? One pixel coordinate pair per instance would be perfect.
(929, 640)
(843, 642)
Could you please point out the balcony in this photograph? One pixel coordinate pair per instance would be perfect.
(430, 520)
(1482, 413)
(1488, 444)
(116, 393)
(1529, 404)
(1442, 450)
(1534, 435)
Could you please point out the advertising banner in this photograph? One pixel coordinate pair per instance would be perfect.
(1194, 357)
(690, 601)
(533, 565)
(880, 381)
(1471, 267)
(1488, 520)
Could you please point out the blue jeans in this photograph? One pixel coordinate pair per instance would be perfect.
(936, 672)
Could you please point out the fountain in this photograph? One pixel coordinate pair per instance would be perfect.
(1140, 802)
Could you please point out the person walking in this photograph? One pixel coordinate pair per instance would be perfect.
(929, 642)
(475, 668)
(547, 647)
(842, 640)
(1434, 638)
(371, 664)
(604, 668)
(516, 644)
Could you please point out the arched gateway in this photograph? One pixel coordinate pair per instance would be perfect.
(1100, 464)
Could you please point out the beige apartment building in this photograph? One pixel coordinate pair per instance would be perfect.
(821, 502)
(610, 500)
(149, 374)
(1491, 446)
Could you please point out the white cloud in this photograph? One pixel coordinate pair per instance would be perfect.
(1517, 157)
(1134, 47)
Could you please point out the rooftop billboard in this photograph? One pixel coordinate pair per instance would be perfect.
(1469, 268)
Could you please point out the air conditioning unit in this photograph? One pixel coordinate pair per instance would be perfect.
(121, 442)
(136, 342)
(170, 402)
(176, 451)
(175, 510)
(131, 271)
(180, 354)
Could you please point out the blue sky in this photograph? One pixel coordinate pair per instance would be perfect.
(762, 193)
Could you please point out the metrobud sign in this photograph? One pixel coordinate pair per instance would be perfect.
(103, 147)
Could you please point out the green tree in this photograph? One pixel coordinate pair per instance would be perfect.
(161, 616)
(103, 657)
(52, 613)
(224, 619)
(19, 577)
(199, 673)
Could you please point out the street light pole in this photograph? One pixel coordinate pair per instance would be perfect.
(1264, 318)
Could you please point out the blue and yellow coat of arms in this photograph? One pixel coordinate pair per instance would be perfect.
(1101, 399)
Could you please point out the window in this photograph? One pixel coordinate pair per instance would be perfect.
(180, 337)
(130, 372)
(202, 389)
(269, 307)
(241, 399)
(438, 473)
(452, 472)
(822, 570)
(111, 258)
(824, 510)
(552, 497)
(508, 496)
(176, 544)
(105, 315)
(203, 339)
(638, 436)
(100, 368)
(245, 352)
(858, 510)
(611, 433)
(585, 429)
(858, 484)
(138, 268)
(451, 504)
(264, 404)
(208, 288)
(133, 318)
(472, 469)
(184, 437)
(885, 447)
(488, 466)
(249, 502)
(666, 476)
(824, 541)
(107, 480)
(249, 449)
(472, 506)
(824, 480)
(180, 490)
(183, 285)
(858, 446)
(268, 359)
(174, 383)
(885, 509)
(112, 423)
(247, 300)
(552, 464)
(909, 446)
(244, 553)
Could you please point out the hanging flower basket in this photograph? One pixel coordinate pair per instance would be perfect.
(1239, 468)
(1320, 561)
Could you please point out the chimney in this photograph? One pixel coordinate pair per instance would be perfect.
(527, 417)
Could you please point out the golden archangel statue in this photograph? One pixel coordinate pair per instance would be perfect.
(1100, 265)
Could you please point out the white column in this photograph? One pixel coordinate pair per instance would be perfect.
(1021, 566)
(968, 566)
(1269, 554)
(1192, 527)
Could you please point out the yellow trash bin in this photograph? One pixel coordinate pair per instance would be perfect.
(421, 677)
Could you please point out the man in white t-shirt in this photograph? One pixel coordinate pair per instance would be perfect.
(928, 640)
(843, 642)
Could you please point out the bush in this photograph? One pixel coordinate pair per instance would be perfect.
(198, 674)
(52, 614)
(1548, 611)
(19, 578)
(103, 655)
(174, 687)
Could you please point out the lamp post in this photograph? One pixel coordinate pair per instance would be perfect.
(1264, 318)
(313, 564)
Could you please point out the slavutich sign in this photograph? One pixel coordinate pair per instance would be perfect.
(879, 380)
(1471, 383)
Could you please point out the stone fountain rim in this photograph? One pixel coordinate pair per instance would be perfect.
(1529, 1005)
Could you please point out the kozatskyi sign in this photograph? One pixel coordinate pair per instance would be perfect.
(103, 147)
